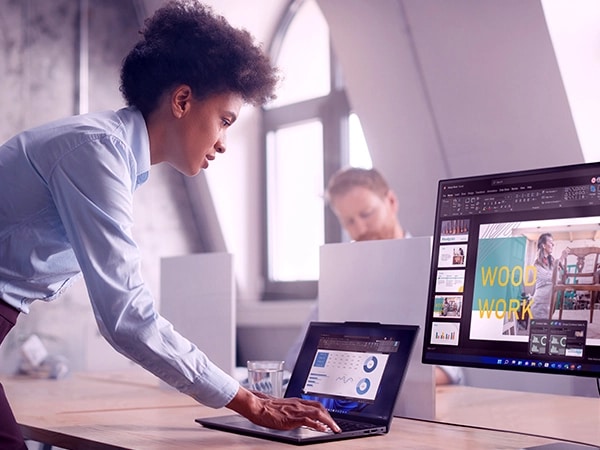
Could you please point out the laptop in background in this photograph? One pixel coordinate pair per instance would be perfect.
(355, 369)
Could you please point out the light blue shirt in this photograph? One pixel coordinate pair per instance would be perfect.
(66, 192)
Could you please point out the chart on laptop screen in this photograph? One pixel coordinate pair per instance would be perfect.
(349, 368)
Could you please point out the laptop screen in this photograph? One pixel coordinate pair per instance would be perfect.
(353, 369)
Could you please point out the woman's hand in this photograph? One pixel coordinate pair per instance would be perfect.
(280, 413)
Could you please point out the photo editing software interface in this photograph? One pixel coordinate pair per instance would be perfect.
(515, 272)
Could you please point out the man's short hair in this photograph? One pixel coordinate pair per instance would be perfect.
(345, 179)
(184, 42)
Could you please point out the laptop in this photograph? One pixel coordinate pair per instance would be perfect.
(355, 369)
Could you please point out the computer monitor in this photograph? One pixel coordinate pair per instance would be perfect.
(496, 299)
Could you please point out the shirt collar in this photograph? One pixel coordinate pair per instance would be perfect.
(134, 123)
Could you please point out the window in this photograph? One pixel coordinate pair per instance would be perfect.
(294, 199)
(309, 134)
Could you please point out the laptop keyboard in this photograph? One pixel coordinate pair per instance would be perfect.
(350, 425)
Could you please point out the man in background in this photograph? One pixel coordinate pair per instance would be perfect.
(364, 204)
(367, 209)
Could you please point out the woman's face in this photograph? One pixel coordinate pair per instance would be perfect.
(203, 132)
(548, 245)
(196, 130)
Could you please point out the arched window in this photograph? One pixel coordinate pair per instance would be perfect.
(309, 134)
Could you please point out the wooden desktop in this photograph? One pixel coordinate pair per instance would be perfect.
(133, 411)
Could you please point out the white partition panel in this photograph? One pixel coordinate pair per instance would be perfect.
(198, 298)
(383, 281)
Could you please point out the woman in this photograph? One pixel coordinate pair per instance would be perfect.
(66, 194)
(545, 265)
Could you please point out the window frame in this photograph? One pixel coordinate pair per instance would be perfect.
(332, 110)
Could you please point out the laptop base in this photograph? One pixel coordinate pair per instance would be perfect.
(300, 436)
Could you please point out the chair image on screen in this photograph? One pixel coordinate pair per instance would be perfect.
(576, 280)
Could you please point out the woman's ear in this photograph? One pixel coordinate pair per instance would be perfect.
(181, 99)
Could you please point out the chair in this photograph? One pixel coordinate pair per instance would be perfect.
(575, 271)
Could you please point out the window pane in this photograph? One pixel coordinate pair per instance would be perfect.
(359, 150)
(304, 57)
(295, 202)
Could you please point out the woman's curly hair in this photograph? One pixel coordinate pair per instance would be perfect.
(184, 42)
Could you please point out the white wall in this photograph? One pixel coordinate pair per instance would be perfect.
(452, 88)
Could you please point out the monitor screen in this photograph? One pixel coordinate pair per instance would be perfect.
(515, 272)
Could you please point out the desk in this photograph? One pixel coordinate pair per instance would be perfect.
(558, 416)
(131, 411)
